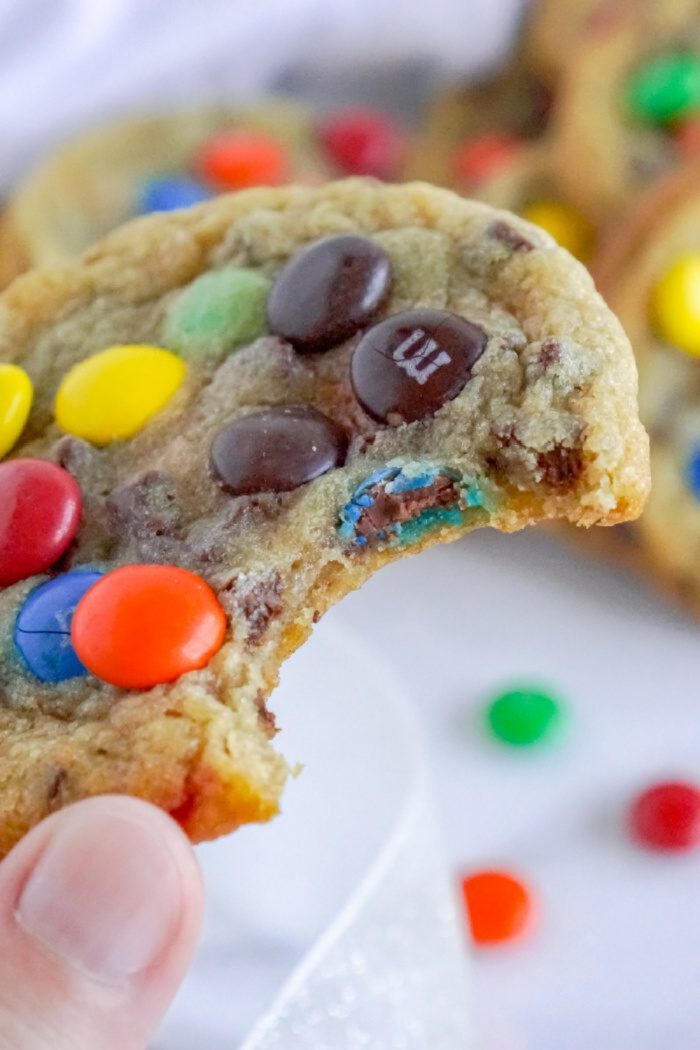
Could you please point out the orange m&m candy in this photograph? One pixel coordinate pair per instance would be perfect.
(479, 158)
(145, 624)
(237, 160)
(499, 906)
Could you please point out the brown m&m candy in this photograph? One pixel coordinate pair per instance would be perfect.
(276, 449)
(406, 367)
(328, 291)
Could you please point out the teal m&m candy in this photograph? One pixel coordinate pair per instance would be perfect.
(666, 89)
(524, 716)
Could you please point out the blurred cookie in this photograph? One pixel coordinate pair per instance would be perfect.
(651, 277)
(161, 163)
(628, 105)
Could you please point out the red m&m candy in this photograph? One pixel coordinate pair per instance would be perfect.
(363, 142)
(479, 158)
(667, 816)
(237, 160)
(142, 625)
(498, 904)
(40, 508)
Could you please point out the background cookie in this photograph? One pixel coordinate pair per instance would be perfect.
(449, 367)
(626, 105)
(158, 163)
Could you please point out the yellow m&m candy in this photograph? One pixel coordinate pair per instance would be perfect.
(16, 394)
(676, 304)
(569, 228)
(112, 395)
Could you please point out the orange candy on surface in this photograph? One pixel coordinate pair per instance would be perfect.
(499, 906)
(238, 160)
(143, 625)
(480, 158)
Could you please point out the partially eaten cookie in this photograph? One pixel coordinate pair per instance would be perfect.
(242, 410)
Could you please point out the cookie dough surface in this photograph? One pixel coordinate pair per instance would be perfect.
(544, 426)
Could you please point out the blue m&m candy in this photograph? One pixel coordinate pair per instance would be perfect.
(692, 472)
(42, 630)
(168, 194)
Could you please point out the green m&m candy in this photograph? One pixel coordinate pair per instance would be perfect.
(666, 89)
(217, 312)
(523, 716)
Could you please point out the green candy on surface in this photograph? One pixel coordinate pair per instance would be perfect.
(217, 312)
(666, 89)
(522, 717)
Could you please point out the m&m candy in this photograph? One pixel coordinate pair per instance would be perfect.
(168, 194)
(693, 472)
(363, 142)
(523, 716)
(479, 158)
(143, 625)
(676, 304)
(217, 312)
(666, 88)
(112, 395)
(42, 631)
(565, 223)
(666, 816)
(499, 906)
(237, 160)
(16, 394)
(39, 517)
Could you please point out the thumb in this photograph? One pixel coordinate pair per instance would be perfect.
(100, 910)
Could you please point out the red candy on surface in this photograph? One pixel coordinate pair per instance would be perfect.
(363, 142)
(238, 160)
(40, 506)
(499, 906)
(480, 158)
(143, 625)
(666, 816)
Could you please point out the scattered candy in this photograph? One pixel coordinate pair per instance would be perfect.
(666, 88)
(499, 906)
(217, 312)
(667, 816)
(523, 716)
(406, 367)
(143, 625)
(237, 160)
(328, 291)
(16, 394)
(676, 304)
(39, 517)
(481, 158)
(113, 394)
(276, 450)
(565, 223)
(363, 142)
(42, 630)
(168, 194)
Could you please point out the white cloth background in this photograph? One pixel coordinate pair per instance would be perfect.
(615, 963)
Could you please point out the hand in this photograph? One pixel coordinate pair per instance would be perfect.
(100, 911)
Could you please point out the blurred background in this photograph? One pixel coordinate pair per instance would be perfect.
(584, 116)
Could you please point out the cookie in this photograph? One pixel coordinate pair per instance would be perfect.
(554, 29)
(652, 276)
(240, 412)
(160, 163)
(629, 105)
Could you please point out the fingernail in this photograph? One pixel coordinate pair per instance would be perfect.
(106, 894)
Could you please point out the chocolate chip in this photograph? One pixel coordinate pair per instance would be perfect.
(508, 235)
(407, 367)
(257, 600)
(145, 507)
(276, 449)
(329, 291)
(560, 466)
(550, 353)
